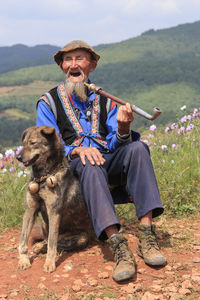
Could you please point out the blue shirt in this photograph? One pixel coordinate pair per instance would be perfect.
(46, 118)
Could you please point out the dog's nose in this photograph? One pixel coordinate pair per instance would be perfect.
(19, 157)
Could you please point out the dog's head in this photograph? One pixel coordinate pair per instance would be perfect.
(39, 144)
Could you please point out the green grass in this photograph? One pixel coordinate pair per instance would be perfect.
(177, 170)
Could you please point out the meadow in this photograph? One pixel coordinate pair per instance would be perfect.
(175, 152)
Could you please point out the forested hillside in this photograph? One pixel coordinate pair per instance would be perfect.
(159, 68)
(20, 56)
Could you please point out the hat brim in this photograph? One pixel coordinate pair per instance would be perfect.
(59, 54)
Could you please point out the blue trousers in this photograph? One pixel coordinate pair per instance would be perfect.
(130, 170)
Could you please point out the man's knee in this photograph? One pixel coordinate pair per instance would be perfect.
(138, 148)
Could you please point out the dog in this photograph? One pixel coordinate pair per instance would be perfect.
(55, 192)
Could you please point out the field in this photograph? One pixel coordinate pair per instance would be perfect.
(175, 154)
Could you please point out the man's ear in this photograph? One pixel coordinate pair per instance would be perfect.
(93, 65)
(48, 130)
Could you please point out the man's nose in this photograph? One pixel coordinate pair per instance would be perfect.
(74, 63)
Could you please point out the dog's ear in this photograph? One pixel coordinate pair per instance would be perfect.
(24, 134)
(48, 130)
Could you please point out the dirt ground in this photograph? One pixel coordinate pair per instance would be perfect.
(87, 274)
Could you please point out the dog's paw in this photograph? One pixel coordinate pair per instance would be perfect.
(49, 267)
(24, 263)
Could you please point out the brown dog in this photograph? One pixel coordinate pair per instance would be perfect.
(55, 192)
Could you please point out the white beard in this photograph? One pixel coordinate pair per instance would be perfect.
(77, 88)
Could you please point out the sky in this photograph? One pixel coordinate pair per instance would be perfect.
(56, 22)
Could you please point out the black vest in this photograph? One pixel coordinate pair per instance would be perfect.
(67, 131)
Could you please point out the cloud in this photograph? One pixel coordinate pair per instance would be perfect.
(106, 21)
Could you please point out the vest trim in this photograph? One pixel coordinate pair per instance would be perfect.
(69, 111)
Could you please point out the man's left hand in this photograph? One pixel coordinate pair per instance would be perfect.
(124, 118)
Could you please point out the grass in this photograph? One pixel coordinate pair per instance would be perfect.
(176, 161)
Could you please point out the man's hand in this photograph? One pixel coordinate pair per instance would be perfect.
(124, 118)
(91, 153)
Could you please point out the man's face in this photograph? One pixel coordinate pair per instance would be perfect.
(76, 61)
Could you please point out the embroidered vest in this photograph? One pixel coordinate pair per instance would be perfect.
(70, 128)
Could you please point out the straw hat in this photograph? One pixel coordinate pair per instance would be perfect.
(77, 44)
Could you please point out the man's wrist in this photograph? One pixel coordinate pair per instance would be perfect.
(123, 137)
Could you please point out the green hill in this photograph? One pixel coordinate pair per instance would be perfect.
(19, 56)
(159, 68)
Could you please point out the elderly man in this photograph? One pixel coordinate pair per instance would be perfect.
(103, 151)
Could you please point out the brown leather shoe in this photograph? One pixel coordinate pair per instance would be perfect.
(148, 247)
(124, 260)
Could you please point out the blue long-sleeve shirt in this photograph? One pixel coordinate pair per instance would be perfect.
(47, 118)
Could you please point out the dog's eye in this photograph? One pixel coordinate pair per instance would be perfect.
(32, 143)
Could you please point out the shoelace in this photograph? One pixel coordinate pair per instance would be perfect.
(121, 253)
(151, 239)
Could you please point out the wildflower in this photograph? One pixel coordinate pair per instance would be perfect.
(181, 129)
(164, 148)
(189, 117)
(183, 119)
(11, 170)
(195, 110)
(172, 161)
(173, 146)
(173, 126)
(1, 155)
(1, 166)
(27, 172)
(189, 127)
(167, 129)
(183, 107)
(20, 173)
(9, 153)
(152, 127)
(18, 150)
(146, 142)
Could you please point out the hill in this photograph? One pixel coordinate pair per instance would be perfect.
(20, 56)
(159, 68)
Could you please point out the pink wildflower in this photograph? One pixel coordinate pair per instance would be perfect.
(18, 150)
(173, 146)
(167, 129)
(164, 148)
(152, 127)
(181, 129)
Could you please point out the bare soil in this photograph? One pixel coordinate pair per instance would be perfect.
(87, 274)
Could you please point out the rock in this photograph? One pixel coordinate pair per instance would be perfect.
(41, 286)
(128, 288)
(195, 278)
(141, 271)
(149, 296)
(83, 271)
(196, 260)
(186, 284)
(184, 291)
(65, 275)
(103, 275)
(168, 268)
(109, 267)
(156, 288)
(92, 282)
(65, 297)
(68, 266)
(76, 288)
(78, 282)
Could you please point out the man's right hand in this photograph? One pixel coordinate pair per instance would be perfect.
(91, 153)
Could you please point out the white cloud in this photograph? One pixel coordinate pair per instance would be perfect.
(106, 21)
